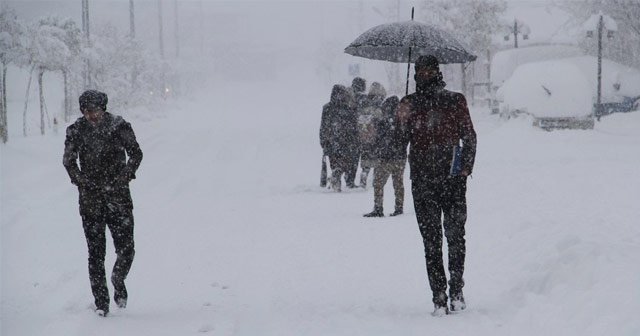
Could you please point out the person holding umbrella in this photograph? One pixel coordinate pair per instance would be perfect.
(437, 125)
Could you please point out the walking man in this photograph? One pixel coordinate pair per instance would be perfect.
(101, 142)
(437, 125)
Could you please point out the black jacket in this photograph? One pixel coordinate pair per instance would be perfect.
(104, 172)
(389, 145)
(433, 124)
(339, 130)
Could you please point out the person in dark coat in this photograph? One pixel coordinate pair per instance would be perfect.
(367, 118)
(437, 125)
(391, 156)
(339, 133)
(101, 142)
(359, 87)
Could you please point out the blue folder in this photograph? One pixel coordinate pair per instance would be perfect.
(456, 161)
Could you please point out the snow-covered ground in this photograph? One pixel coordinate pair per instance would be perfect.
(234, 237)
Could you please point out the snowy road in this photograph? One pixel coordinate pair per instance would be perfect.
(233, 237)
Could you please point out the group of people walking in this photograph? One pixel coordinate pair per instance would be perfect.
(436, 125)
(361, 129)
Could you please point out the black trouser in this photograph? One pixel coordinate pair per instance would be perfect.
(435, 198)
(352, 169)
(120, 223)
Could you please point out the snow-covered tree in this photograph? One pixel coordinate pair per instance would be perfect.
(113, 55)
(11, 51)
(472, 22)
(54, 45)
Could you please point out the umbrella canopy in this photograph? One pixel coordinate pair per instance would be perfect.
(392, 41)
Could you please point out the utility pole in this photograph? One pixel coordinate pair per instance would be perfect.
(175, 28)
(599, 22)
(85, 28)
(518, 28)
(163, 83)
(515, 33)
(160, 33)
(132, 36)
(599, 95)
(132, 23)
(201, 24)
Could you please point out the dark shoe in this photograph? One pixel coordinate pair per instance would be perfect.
(351, 185)
(396, 213)
(374, 213)
(457, 302)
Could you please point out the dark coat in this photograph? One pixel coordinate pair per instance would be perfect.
(433, 124)
(389, 145)
(104, 172)
(339, 130)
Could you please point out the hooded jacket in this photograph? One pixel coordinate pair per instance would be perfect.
(339, 125)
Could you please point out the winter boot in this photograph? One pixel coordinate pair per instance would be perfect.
(102, 312)
(457, 302)
(439, 311)
(440, 305)
(397, 212)
(375, 213)
(120, 292)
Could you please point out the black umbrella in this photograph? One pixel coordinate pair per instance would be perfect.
(405, 41)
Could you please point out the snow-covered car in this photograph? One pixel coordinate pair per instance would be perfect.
(562, 93)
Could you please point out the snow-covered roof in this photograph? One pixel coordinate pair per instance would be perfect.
(506, 61)
(567, 87)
